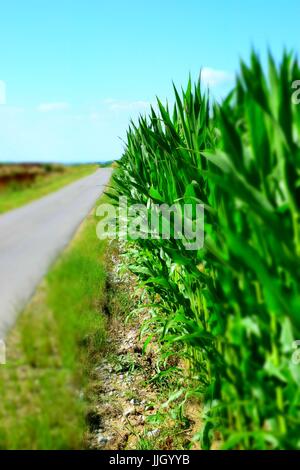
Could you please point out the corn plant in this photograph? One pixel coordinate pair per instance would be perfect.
(231, 308)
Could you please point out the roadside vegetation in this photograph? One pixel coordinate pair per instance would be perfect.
(224, 318)
(21, 184)
(131, 399)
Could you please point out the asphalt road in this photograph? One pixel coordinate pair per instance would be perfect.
(32, 236)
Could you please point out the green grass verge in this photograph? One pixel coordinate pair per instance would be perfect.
(51, 350)
(14, 196)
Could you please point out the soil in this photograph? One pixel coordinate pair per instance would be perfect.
(125, 402)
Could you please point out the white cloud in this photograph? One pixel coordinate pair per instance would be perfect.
(123, 105)
(212, 77)
(2, 92)
(48, 107)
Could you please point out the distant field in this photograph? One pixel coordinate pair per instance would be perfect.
(20, 184)
(25, 174)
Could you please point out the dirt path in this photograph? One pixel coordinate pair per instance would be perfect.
(128, 410)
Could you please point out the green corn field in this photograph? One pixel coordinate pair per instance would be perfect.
(230, 310)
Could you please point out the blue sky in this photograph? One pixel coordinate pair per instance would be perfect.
(74, 72)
